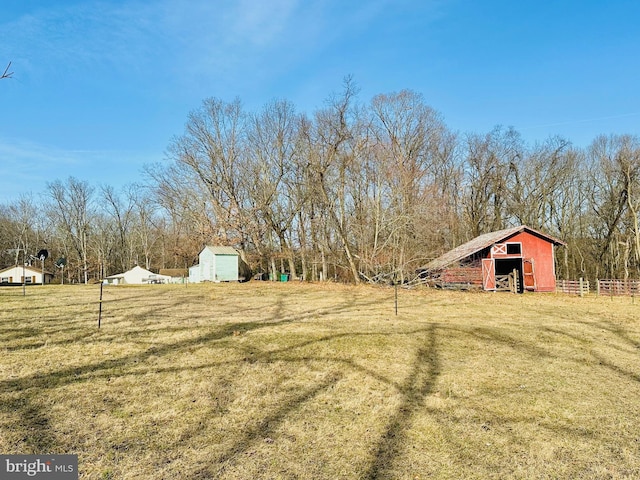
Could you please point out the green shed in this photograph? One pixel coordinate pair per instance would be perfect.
(217, 264)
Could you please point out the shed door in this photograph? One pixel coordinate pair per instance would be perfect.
(529, 278)
(488, 274)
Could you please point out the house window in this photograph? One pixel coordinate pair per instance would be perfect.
(4, 280)
(514, 249)
(28, 280)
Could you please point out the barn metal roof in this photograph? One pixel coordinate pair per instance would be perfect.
(483, 241)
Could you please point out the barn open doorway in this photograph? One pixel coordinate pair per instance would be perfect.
(505, 266)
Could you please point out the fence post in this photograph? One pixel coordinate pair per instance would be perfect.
(100, 309)
(581, 291)
(597, 287)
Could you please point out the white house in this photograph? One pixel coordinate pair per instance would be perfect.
(216, 264)
(30, 275)
(136, 276)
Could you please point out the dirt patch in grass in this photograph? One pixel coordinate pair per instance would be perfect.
(264, 380)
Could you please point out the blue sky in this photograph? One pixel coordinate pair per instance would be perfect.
(100, 88)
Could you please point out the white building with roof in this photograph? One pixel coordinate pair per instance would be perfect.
(136, 276)
(27, 274)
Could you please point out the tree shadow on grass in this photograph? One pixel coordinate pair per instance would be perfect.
(602, 361)
(264, 428)
(267, 425)
(616, 330)
(499, 337)
(35, 423)
(51, 331)
(416, 388)
(80, 373)
(12, 334)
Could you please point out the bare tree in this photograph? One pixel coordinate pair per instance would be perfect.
(537, 178)
(145, 226)
(72, 208)
(19, 228)
(330, 163)
(271, 163)
(212, 151)
(408, 135)
(187, 216)
(103, 243)
(119, 207)
(615, 179)
(488, 160)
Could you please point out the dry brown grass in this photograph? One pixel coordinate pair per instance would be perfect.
(261, 380)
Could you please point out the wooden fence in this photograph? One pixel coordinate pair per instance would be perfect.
(603, 287)
(508, 283)
(573, 287)
(618, 287)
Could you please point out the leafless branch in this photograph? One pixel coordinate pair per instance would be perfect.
(6, 73)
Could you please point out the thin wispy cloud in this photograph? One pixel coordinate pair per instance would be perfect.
(142, 39)
(215, 44)
(31, 166)
(261, 24)
(84, 36)
(28, 156)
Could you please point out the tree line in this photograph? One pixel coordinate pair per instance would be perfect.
(357, 192)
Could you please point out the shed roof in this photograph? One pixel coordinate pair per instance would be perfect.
(174, 272)
(483, 241)
(117, 275)
(221, 250)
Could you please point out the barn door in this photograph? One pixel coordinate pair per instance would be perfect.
(488, 274)
(528, 276)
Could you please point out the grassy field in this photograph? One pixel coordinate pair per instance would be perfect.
(284, 381)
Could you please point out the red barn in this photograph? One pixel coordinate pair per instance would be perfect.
(521, 253)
